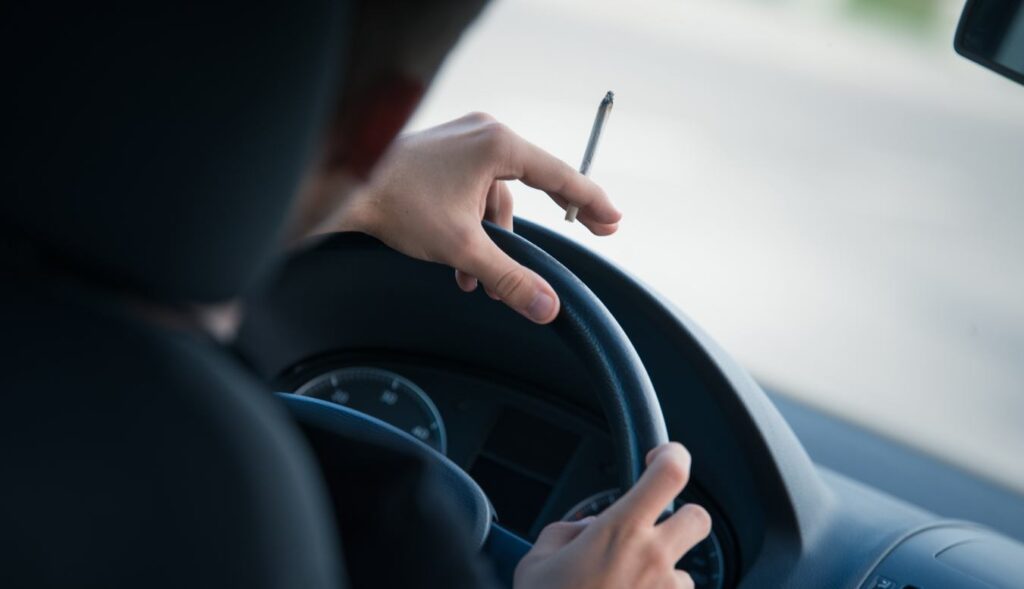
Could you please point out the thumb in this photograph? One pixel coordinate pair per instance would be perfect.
(511, 282)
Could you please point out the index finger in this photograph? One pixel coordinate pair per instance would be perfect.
(541, 170)
(665, 477)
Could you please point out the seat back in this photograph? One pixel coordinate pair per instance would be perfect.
(136, 456)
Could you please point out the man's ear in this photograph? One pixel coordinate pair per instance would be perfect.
(370, 123)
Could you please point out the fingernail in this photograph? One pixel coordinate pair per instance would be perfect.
(541, 308)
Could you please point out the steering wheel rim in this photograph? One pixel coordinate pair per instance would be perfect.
(627, 396)
(584, 325)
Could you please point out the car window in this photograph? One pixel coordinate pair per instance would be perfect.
(824, 186)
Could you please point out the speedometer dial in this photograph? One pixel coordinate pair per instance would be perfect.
(704, 562)
(384, 395)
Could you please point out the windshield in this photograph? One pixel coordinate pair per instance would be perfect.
(825, 187)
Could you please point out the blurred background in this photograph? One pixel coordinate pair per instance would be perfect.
(824, 186)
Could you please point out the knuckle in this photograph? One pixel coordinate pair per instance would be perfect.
(463, 250)
(681, 451)
(660, 559)
(699, 517)
(480, 118)
(625, 534)
(511, 283)
(495, 138)
(464, 240)
(555, 528)
(572, 176)
(675, 470)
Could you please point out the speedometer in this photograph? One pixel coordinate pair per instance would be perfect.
(384, 395)
(703, 562)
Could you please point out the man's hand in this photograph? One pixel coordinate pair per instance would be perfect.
(428, 196)
(624, 546)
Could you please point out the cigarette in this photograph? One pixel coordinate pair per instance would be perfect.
(604, 110)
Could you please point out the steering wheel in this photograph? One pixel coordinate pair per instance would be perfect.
(584, 325)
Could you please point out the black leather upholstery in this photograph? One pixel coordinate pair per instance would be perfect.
(153, 151)
(157, 147)
(133, 456)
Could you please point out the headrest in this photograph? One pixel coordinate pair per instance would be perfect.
(158, 149)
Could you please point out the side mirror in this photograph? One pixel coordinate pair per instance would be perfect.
(991, 33)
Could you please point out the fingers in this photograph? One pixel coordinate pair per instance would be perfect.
(539, 169)
(465, 281)
(653, 452)
(508, 280)
(685, 528)
(558, 534)
(667, 473)
(683, 580)
(499, 205)
(584, 217)
(498, 210)
(512, 157)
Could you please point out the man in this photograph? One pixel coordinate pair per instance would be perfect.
(157, 152)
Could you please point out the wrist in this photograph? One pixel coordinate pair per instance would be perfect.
(358, 213)
(331, 203)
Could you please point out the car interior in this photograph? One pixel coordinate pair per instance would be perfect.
(530, 424)
(505, 401)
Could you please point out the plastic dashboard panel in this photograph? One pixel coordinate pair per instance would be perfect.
(535, 456)
(903, 471)
(474, 405)
(951, 557)
(796, 525)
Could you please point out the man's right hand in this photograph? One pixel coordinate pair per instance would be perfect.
(624, 546)
(428, 195)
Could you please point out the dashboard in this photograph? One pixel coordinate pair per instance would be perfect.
(538, 459)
